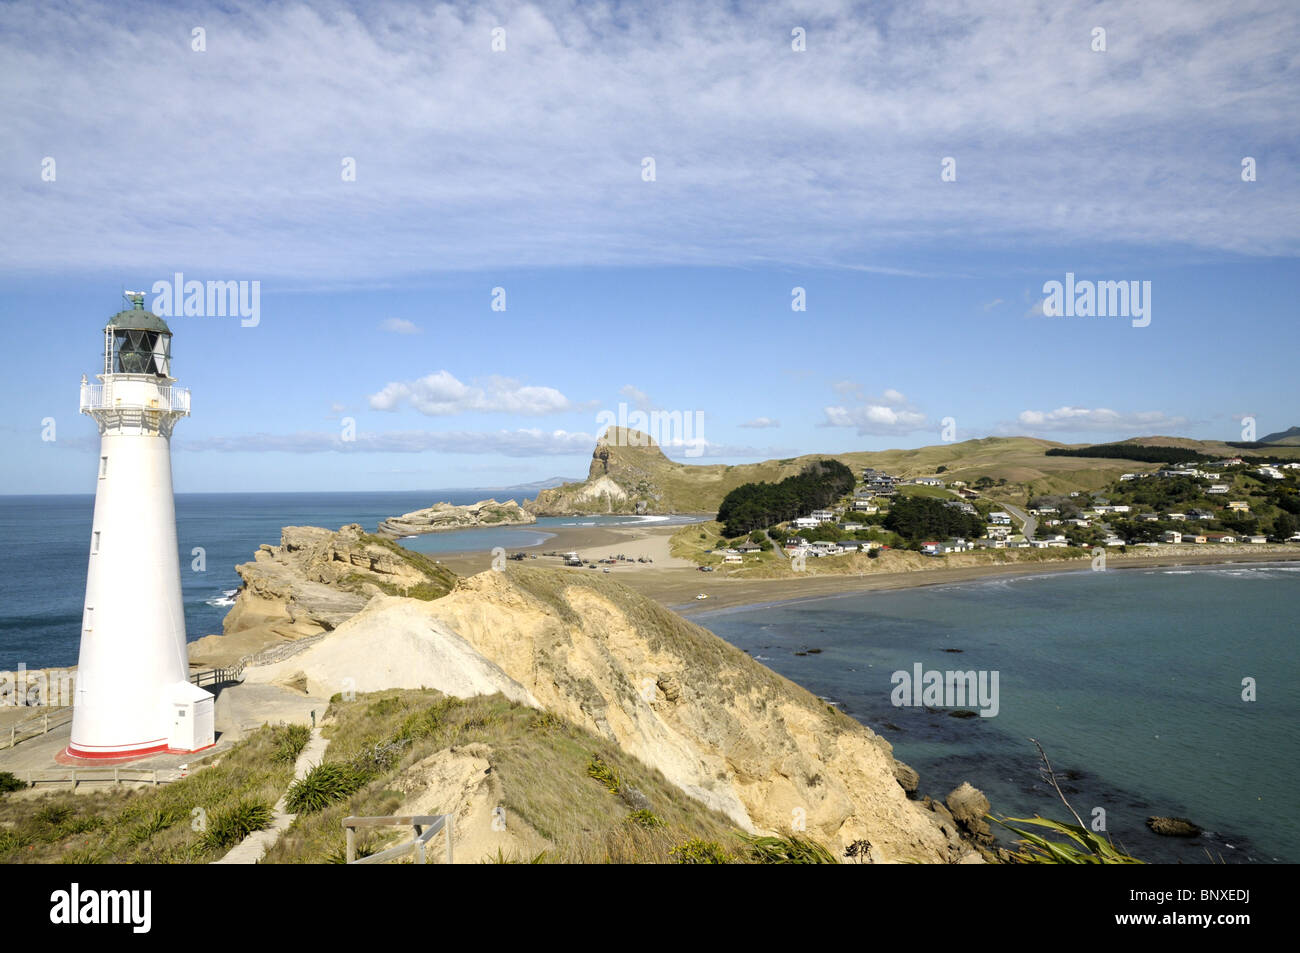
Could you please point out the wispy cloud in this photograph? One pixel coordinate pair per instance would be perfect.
(442, 395)
(890, 414)
(538, 149)
(510, 443)
(1078, 419)
(399, 326)
(759, 423)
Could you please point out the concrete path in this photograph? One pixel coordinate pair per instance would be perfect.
(254, 847)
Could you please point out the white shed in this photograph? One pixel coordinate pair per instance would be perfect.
(192, 720)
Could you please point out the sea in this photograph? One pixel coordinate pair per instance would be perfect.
(1153, 692)
(46, 548)
(1172, 692)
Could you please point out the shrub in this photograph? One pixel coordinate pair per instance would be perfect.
(229, 827)
(289, 742)
(646, 819)
(603, 773)
(697, 851)
(328, 782)
(786, 850)
(1087, 846)
(9, 782)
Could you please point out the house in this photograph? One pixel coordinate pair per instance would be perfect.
(1082, 524)
(1043, 510)
(1128, 476)
(825, 548)
(1148, 517)
(1239, 506)
(1272, 472)
(1113, 541)
(960, 505)
(745, 548)
(865, 506)
(732, 557)
(930, 549)
(1200, 515)
(928, 481)
(1217, 488)
(1255, 539)
(992, 542)
(1176, 517)
(1220, 538)
(997, 532)
(850, 527)
(958, 483)
(807, 522)
(1108, 508)
(1171, 536)
(1194, 537)
(823, 516)
(1290, 466)
(999, 518)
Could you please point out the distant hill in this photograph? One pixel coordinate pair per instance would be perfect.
(630, 474)
(1289, 437)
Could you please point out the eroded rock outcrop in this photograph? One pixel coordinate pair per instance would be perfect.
(313, 582)
(446, 516)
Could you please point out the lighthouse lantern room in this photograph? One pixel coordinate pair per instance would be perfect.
(133, 672)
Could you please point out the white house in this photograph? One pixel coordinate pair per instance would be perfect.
(1172, 536)
(1240, 506)
(1217, 488)
(999, 518)
(823, 516)
(807, 522)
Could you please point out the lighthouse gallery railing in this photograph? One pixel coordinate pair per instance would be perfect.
(142, 394)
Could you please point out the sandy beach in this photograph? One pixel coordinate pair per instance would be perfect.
(675, 583)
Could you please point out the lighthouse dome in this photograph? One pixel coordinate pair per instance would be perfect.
(137, 341)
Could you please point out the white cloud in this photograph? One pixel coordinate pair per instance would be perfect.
(1074, 419)
(639, 398)
(441, 395)
(510, 443)
(761, 422)
(537, 150)
(399, 326)
(890, 414)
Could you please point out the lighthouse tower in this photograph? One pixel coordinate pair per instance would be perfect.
(133, 694)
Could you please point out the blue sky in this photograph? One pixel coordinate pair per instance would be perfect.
(522, 169)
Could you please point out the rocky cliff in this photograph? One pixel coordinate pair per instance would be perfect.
(314, 581)
(723, 728)
(446, 516)
(630, 474)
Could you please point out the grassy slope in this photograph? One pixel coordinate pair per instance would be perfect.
(1022, 461)
(148, 825)
(541, 763)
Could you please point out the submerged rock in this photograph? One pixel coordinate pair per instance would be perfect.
(1173, 826)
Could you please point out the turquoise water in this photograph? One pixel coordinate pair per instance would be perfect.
(1130, 679)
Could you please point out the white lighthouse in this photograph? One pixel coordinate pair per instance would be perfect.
(133, 694)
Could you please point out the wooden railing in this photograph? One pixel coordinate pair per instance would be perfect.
(35, 726)
(218, 676)
(417, 845)
(75, 776)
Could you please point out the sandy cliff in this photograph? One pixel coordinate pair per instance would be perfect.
(729, 732)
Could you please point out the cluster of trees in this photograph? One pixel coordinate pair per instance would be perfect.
(1132, 451)
(919, 518)
(755, 505)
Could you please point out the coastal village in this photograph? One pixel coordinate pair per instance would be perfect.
(1217, 503)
